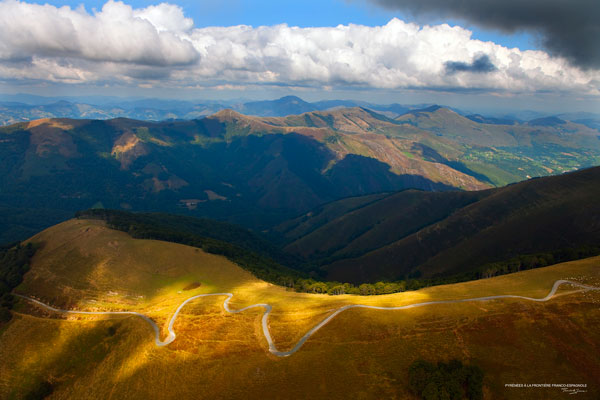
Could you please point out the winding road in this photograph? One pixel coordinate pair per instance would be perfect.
(265, 318)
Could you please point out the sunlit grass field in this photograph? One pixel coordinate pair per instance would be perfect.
(361, 354)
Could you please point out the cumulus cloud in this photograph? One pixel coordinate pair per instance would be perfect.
(159, 46)
(569, 28)
(115, 34)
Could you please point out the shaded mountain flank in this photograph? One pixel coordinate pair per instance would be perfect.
(260, 171)
(420, 234)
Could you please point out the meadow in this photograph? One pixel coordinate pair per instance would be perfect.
(362, 353)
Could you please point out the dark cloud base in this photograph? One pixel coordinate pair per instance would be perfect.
(480, 64)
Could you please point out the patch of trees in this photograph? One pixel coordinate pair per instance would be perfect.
(538, 260)
(14, 262)
(337, 288)
(452, 380)
(41, 390)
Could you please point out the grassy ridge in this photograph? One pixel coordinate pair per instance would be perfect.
(237, 244)
(240, 246)
(361, 353)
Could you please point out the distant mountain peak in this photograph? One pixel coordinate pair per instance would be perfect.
(228, 113)
(287, 105)
(433, 108)
(547, 121)
(430, 109)
(291, 99)
(61, 103)
(346, 112)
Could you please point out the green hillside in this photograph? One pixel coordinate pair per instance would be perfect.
(376, 223)
(509, 152)
(419, 234)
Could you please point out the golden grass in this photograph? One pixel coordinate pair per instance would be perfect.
(360, 354)
(127, 144)
(50, 122)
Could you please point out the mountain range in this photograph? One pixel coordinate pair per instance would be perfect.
(23, 107)
(19, 108)
(261, 171)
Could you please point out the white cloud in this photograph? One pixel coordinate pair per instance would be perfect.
(158, 45)
(165, 17)
(117, 33)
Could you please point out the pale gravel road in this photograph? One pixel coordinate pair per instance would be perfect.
(265, 318)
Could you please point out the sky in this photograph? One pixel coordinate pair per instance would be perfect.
(477, 54)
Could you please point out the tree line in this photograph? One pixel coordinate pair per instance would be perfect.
(14, 263)
(537, 260)
(452, 380)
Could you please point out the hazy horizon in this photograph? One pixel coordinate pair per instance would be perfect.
(474, 56)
